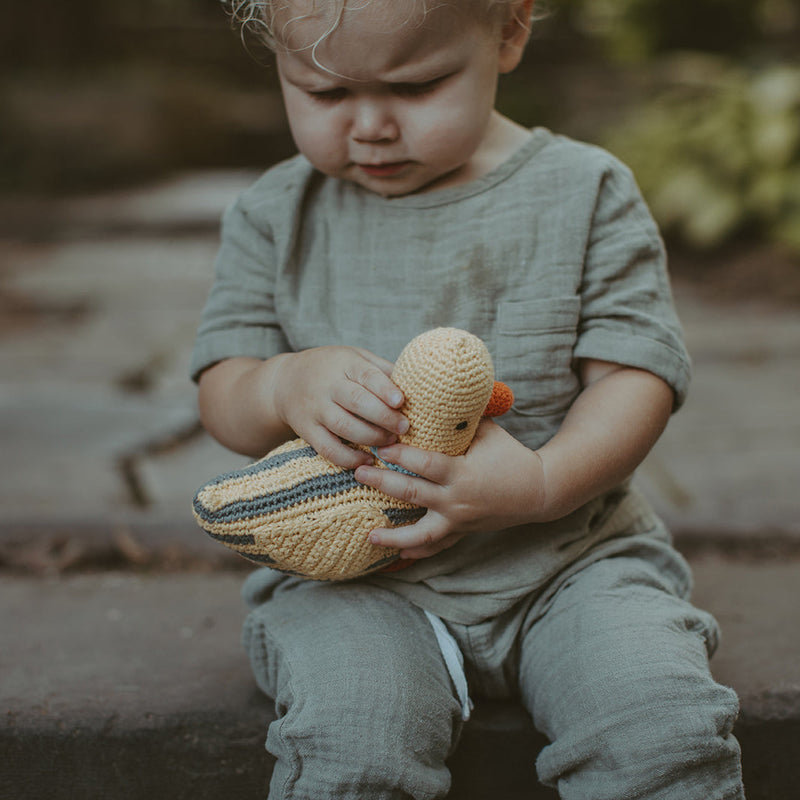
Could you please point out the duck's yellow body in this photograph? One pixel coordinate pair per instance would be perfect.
(295, 511)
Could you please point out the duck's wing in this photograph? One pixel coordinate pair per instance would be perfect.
(297, 512)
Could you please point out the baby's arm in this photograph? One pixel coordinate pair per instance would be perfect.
(610, 428)
(324, 395)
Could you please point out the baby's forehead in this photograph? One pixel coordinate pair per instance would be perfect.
(300, 24)
(365, 45)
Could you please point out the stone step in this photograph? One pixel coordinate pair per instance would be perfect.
(133, 685)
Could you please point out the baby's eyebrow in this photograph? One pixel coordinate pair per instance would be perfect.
(428, 70)
(322, 81)
(300, 69)
(422, 79)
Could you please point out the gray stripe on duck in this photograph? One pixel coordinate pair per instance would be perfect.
(239, 539)
(318, 486)
(381, 562)
(265, 464)
(394, 467)
(403, 516)
(262, 558)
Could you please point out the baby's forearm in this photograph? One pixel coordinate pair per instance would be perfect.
(607, 433)
(329, 396)
(236, 406)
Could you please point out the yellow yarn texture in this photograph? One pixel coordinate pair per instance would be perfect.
(297, 512)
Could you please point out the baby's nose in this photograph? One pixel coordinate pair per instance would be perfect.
(373, 121)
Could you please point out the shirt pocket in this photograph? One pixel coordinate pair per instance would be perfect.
(534, 353)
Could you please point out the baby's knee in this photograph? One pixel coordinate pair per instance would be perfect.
(658, 742)
(360, 736)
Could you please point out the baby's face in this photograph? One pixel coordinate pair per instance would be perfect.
(392, 100)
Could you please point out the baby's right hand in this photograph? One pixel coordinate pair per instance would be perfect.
(330, 394)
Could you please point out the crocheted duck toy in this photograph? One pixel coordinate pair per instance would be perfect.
(297, 512)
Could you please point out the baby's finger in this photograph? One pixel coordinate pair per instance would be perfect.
(425, 538)
(381, 363)
(356, 398)
(432, 466)
(403, 487)
(336, 451)
(354, 429)
(372, 374)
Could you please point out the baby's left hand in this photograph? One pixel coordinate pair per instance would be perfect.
(497, 484)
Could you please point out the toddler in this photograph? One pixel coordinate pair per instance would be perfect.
(414, 204)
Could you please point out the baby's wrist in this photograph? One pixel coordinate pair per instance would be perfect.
(535, 504)
(275, 387)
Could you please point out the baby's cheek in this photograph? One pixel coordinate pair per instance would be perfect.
(319, 139)
(454, 142)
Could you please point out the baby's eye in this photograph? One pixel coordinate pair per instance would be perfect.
(329, 95)
(416, 89)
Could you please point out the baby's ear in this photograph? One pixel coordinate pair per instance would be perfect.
(514, 34)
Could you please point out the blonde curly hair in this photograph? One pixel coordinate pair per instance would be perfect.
(259, 16)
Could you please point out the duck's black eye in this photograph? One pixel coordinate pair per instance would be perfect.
(462, 425)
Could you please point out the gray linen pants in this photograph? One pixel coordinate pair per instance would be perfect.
(611, 662)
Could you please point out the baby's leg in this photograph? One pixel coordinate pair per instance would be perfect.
(616, 675)
(365, 704)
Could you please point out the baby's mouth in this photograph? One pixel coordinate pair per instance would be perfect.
(384, 170)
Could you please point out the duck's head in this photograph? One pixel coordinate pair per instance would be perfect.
(447, 377)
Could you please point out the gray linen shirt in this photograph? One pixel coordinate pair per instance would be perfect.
(550, 258)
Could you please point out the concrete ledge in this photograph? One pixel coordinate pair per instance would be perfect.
(197, 756)
(134, 686)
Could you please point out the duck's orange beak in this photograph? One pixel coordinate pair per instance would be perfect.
(501, 400)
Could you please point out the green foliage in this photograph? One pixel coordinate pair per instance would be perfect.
(634, 30)
(718, 153)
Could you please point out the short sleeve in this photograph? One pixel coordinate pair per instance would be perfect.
(627, 311)
(239, 318)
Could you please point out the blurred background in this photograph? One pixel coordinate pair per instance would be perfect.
(126, 127)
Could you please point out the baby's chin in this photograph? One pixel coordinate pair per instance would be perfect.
(415, 180)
